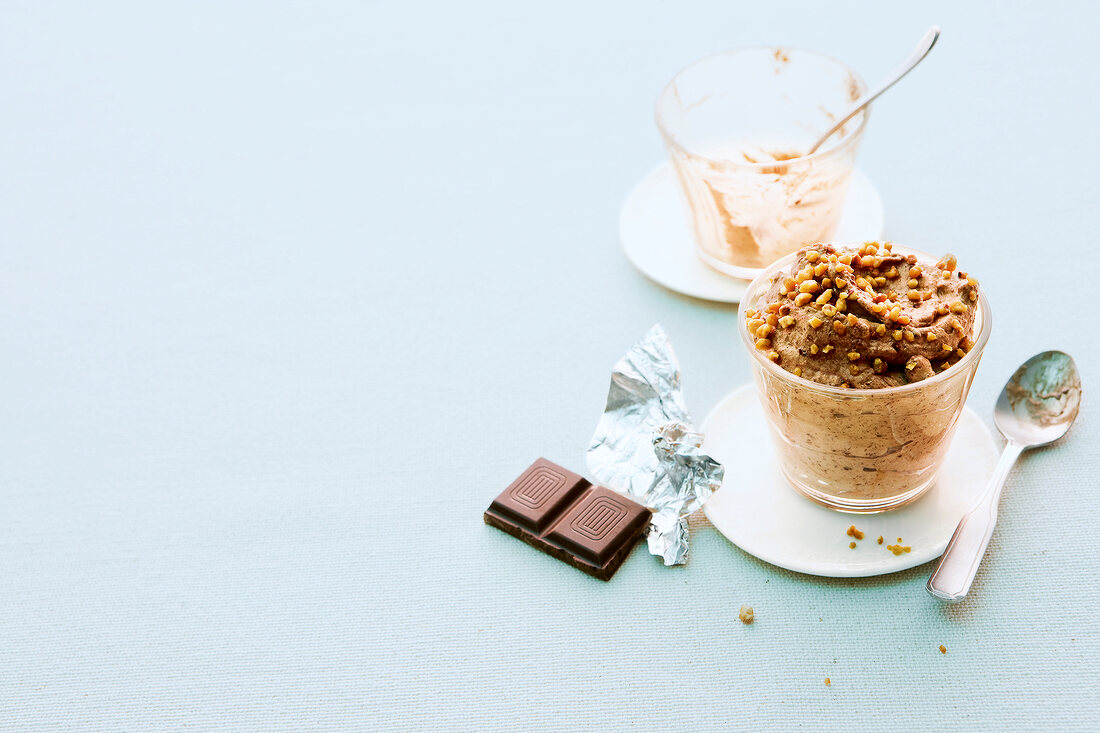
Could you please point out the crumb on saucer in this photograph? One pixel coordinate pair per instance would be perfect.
(899, 549)
(746, 615)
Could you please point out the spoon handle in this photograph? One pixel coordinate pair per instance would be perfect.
(923, 47)
(959, 564)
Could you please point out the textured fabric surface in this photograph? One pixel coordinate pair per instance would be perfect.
(289, 292)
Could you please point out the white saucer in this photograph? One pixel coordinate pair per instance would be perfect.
(657, 237)
(757, 510)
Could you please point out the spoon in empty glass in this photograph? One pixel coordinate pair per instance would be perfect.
(918, 54)
(1036, 407)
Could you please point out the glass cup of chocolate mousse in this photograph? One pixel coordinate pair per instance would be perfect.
(863, 355)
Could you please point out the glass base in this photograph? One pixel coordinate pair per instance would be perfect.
(741, 273)
(857, 506)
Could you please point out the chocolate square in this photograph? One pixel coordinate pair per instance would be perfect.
(555, 510)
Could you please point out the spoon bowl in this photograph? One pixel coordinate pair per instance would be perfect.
(1040, 401)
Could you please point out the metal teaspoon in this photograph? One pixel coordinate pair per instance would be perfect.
(1036, 407)
(918, 54)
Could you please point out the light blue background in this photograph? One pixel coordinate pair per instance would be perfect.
(288, 292)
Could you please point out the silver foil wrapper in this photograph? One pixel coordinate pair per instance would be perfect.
(644, 446)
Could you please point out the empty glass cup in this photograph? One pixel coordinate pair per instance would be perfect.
(736, 125)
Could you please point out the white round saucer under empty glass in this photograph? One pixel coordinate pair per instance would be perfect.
(757, 510)
(657, 238)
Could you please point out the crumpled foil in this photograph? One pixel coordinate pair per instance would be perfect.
(644, 446)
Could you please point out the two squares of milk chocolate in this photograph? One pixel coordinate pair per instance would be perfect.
(555, 510)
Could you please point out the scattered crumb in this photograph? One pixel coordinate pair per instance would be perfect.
(943, 649)
(853, 532)
(828, 682)
(852, 545)
(746, 615)
(880, 539)
(899, 549)
(899, 539)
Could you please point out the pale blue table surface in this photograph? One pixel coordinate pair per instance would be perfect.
(288, 292)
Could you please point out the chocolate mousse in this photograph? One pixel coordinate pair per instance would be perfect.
(865, 317)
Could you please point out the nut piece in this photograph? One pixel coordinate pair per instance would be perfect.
(943, 649)
(803, 298)
(786, 321)
(815, 322)
(746, 615)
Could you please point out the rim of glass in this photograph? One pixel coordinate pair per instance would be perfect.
(825, 151)
(751, 293)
